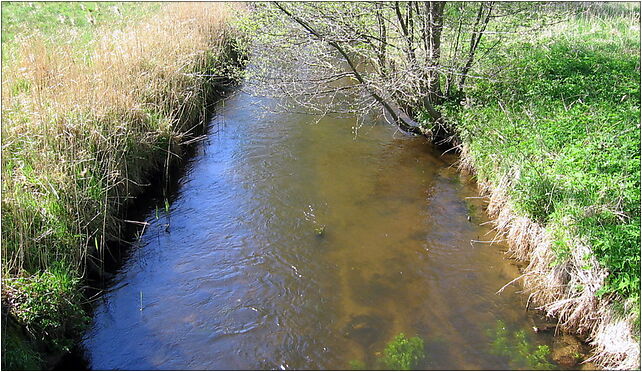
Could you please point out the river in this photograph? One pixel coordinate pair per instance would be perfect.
(298, 243)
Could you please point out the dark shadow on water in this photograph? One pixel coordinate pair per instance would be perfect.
(164, 187)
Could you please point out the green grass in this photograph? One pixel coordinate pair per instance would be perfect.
(56, 18)
(563, 120)
(51, 306)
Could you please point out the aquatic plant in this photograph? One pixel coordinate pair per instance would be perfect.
(319, 231)
(357, 365)
(403, 353)
(310, 216)
(520, 352)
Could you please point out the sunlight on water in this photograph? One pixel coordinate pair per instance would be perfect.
(295, 245)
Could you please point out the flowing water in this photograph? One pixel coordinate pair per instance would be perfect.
(297, 244)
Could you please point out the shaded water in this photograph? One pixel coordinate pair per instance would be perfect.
(234, 275)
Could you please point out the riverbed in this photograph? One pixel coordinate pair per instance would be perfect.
(299, 242)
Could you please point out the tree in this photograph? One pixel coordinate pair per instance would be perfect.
(349, 57)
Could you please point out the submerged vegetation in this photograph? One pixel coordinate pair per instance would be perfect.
(404, 354)
(518, 350)
(95, 99)
(400, 354)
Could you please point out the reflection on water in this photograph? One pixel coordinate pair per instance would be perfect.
(238, 274)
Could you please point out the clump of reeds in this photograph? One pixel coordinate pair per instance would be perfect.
(83, 128)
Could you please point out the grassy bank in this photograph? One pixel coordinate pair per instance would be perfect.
(554, 139)
(96, 98)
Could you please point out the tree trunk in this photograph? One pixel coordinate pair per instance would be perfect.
(381, 53)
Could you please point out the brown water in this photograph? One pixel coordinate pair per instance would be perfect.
(234, 275)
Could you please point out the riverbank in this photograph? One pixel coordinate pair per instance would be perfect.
(554, 142)
(96, 101)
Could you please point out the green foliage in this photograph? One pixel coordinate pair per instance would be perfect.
(404, 353)
(562, 124)
(518, 350)
(49, 306)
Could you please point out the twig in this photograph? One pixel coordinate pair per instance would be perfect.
(511, 282)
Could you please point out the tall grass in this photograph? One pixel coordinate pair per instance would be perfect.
(86, 123)
(79, 135)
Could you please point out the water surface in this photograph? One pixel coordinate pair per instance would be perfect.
(235, 274)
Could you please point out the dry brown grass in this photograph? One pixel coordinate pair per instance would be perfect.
(565, 289)
(82, 129)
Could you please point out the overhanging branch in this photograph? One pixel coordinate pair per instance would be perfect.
(403, 120)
